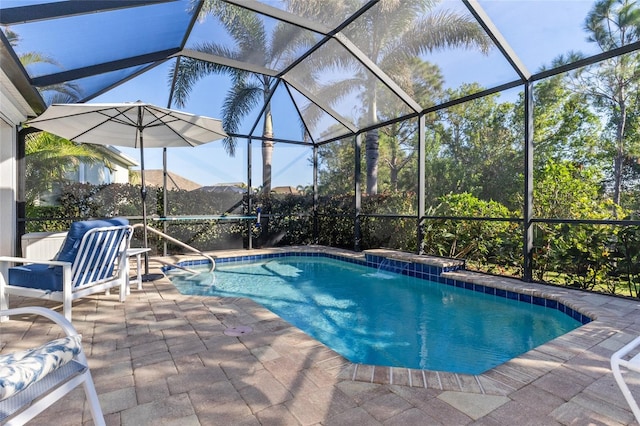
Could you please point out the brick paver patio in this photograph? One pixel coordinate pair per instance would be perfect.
(162, 358)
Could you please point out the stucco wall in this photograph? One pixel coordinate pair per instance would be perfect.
(13, 111)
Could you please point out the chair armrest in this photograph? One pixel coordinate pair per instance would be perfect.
(8, 259)
(53, 316)
(23, 369)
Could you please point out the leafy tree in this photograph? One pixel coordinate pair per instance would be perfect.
(612, 85)
(392, 34)
(399, 141)
(254, 44)
(627, 260)
(336, 166)
(630, 192)
(613, 24)
(566, 190)
(566, 128)
(389, 232)
(630, 182)
(479, 151)
(49, 158)
(439, 168)
(483, 242)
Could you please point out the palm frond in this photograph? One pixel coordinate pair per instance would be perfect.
(30, 58)
(446, 30)
(12, 36)
(287, 42)
(240, 100)
(246, 29)
(331, 93)
(50, 157)
(189, 72)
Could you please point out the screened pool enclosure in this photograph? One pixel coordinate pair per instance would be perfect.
(505, 133)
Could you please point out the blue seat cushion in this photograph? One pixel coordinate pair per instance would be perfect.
(77, 230)
(45, 277)
(36, 276)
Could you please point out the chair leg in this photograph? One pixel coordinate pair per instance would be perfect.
(66, 308)
(92, 399)
(626, 392)
(124, 289)
(4, 298)
(67, 293)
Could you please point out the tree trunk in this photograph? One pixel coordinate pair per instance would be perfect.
(394, 166)
(267, 155)
(267, 152)
(618, 161)
(372, 154)
(393, 179)
(372, 140)
(267, 160)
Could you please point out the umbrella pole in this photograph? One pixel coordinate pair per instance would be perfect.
(143, 194)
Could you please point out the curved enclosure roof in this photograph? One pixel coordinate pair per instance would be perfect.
(325, 68)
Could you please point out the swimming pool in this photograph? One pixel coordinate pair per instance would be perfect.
(385, 318)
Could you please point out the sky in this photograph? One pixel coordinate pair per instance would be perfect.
(538, 31)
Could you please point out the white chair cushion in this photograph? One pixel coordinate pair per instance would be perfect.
(18, 370)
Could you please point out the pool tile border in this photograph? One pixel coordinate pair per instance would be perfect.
(425, 270)
(501, 380)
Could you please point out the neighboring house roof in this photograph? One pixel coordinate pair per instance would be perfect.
(285, 190)
(174, 181)
(225, 187)
(114, 154)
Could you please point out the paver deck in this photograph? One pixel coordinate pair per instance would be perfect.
(161, 358)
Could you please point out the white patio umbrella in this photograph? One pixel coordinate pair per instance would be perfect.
(129, 124)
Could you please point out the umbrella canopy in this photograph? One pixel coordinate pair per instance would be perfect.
(120, 124)
(129, 124)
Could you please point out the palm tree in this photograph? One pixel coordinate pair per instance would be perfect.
(58, 93)
(392, 34)
(48, 160)
(27, 58)
(49, 157)
(248, 90)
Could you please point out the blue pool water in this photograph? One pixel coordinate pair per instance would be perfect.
(382, 318)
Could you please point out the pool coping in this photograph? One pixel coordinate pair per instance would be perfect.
(602, 311)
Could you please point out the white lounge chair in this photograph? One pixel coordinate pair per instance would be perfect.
(93, 259)
(33, 379)
(621, 359)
